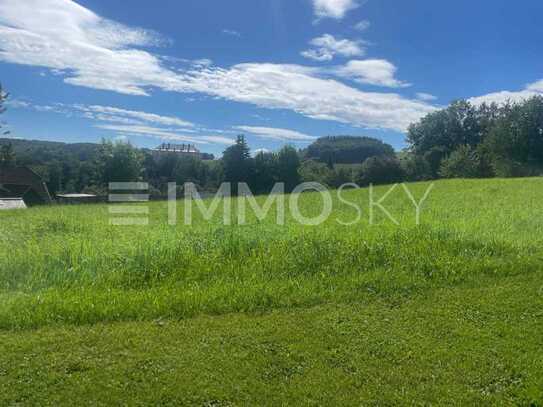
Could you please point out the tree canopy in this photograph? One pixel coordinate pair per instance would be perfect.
(507, 139)
(237, 163)
(119, 162)
(380, 170)
(346, 149)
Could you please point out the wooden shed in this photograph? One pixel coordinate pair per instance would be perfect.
(22, 182)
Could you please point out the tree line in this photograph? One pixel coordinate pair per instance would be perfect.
(463, 140)
(89, 168)
(469, 141)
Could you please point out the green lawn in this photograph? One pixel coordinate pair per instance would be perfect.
(448, 312)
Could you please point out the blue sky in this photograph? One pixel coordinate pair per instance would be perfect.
(279, 71)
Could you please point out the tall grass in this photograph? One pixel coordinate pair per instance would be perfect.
(68, 265)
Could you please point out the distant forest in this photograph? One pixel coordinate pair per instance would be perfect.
(460, 141)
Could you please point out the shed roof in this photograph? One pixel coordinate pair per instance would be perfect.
(21, 181)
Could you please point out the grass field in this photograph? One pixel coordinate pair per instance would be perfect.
(449, 311)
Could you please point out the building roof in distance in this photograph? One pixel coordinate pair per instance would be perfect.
(177, 148)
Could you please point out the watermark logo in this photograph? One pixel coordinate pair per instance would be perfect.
(261, 208)
(128, 193)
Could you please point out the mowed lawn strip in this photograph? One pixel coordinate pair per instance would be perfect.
(467, 344)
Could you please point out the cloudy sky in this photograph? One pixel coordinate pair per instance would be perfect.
(279, 71)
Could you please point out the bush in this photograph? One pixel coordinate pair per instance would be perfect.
(506, 168)
(416, 168)
(338, 177)
(464, 162)
(434, 157)
(381, 170)
(313, 171)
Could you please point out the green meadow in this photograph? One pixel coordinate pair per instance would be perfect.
(448, 311)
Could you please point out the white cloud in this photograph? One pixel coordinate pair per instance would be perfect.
(536, 86)
(276, 134)
(531, 90)
(53, 108)
(89, 50)
(96, 53)
(17, 104)
(164, 134)
(425, 96)
(317, 55)
(111, 119)
(362, 25)
(135, 123)
(218, 140)
(336, 9)
(122, 139)
(301, 89)
(326, 47)
(148, 131)
(378, 72)
(260, 151)
(502, 97)
(107, 114)
(202, 62)
(122, 115)
(232, 33)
